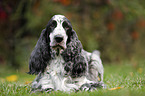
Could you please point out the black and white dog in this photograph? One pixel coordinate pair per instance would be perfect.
(60, 61)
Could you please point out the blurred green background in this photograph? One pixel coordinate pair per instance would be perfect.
(114, 27)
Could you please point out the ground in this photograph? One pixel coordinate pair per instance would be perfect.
(123, 79)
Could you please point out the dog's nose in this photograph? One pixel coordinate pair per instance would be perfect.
(58, 38)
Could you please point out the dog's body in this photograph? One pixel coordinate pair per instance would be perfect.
(60, 61)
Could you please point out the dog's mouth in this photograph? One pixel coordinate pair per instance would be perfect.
(58, 48)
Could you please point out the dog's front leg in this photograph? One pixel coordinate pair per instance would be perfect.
(42, 82)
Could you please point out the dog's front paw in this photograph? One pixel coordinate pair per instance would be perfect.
(49, 90)
(85, 87)
(92, 86)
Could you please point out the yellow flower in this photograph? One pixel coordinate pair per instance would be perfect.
(115, 88)
(12, 78)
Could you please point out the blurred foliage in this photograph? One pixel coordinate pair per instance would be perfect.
(115, 27)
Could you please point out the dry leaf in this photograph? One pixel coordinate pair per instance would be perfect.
(115, 88)
(27, 82)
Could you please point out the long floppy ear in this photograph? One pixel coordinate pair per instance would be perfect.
(75, 62)
(40, 55)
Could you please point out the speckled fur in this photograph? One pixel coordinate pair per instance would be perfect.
(70, 70)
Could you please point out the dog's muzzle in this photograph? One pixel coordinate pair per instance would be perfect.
(59, 42)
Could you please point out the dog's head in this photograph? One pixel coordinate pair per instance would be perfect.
(58, 38)
(59, 31)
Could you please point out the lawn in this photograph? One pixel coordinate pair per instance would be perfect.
(123, 79)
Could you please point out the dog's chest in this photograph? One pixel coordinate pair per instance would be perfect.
(56, 66)
(55, 72)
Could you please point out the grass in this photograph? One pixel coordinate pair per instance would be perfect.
(125, 79)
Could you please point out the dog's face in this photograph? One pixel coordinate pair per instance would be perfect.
(59, 32)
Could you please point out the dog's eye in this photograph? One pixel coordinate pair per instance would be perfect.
(53, 24)
(65, 25)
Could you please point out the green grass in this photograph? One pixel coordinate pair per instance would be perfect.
(129, 76)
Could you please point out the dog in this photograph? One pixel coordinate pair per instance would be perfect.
(61, 63)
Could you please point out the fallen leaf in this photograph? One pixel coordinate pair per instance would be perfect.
(27, 82)
(115, 88)
(12, 78)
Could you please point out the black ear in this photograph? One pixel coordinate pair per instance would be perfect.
(74, 47)
(75, 62)
(40, 55)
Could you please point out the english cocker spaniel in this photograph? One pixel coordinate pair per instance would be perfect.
(60, 61)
